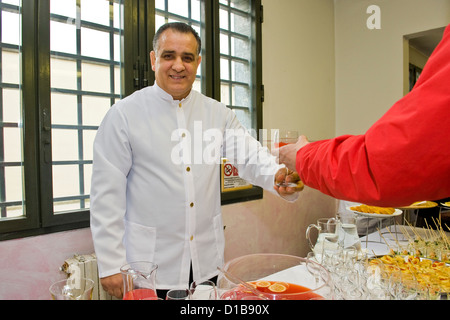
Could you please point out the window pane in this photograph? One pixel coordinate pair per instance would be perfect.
(10, 66)
(64, 145)
(63, 37)
(96, 77)
(160, 4)
(94, 110)
(179, 7)
(96, 11)
(11, 34)
(11, 97)
(85, 82)
(67, 8)
(63, 74)
(95, 44)
(12, 144)
(11, 119)
(13, 175)
(64, 109)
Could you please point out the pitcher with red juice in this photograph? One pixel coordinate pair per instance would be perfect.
(139, 280)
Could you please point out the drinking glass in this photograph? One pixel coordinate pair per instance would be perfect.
(282, 138)
(372, 273)
(348, 232)
(408, 290)
(179, 294)
(203, 290)
(312, 267)
(391, 277)
(72, 289)
(432, 292)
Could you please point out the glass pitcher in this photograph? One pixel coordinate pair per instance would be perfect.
(328, 235)
(139, 280)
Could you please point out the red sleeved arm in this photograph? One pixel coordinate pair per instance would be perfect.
(404, 157)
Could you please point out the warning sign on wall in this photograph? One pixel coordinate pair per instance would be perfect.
(230, 178)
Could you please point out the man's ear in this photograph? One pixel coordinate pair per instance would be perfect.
(153, 59)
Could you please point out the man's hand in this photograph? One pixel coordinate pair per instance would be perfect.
(284, 175)
(288, 154)
(113, 285)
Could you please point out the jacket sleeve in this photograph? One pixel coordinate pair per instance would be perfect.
(112, 160)
(404, 157)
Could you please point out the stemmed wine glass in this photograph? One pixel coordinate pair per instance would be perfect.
(311, 265)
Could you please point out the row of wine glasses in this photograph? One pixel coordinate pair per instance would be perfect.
(360, 277)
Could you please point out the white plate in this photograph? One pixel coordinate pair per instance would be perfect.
(445, 205)
(397, 212)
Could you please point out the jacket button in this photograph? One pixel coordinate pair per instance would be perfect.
(192, 204)
(192, 238)
(188, 169)
(179, 105)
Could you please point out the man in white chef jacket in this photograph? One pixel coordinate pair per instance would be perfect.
(155, 193)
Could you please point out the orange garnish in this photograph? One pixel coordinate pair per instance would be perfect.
(277, 287)
(262, 284)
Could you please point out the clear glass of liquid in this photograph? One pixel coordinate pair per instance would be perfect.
(348, 233)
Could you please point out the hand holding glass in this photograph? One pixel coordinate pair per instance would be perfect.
(283, 138)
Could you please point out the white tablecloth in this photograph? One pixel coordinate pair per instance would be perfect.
(391, 237)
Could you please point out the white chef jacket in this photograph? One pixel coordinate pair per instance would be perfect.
(152, 199)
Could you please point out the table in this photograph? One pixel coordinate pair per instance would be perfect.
(391, 237)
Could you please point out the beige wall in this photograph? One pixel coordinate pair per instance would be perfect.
(298, 66)
(369, 63)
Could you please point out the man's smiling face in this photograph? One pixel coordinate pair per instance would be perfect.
(175, 63)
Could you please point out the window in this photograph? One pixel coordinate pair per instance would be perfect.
(236, 41)
(84, 83)
(78, 58)
(11, 121)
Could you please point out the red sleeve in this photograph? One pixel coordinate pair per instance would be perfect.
(404, 157)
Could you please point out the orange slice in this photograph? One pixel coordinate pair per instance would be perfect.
(278, 288)
(262, 284)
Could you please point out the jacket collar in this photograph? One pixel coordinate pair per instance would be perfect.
(166, 96)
